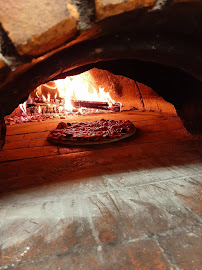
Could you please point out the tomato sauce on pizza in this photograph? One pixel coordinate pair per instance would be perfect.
(94, 132)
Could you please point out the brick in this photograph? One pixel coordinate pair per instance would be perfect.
(158, 105)
(107, 8)
(46, 149)
(184, 248)
(28, 153)
(153, 102)
(120, 88)
(146, 91)
(193, 201)
(170, 154)
(143, 254)
(42, 239)
(98, 222)
(35, 27)
(138, 211)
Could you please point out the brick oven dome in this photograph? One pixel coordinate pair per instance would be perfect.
(108, 175)
(152, 42)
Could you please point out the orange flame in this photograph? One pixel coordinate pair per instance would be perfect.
(62, 92)
(48, 97)
(44, 98)
(78, 88)
(23, 107)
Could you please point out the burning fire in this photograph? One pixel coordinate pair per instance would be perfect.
(76, 88)
(69, 95)
(23, 107)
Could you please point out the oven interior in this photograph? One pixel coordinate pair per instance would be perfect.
(131, 204)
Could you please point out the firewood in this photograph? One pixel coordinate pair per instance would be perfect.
(96, 105)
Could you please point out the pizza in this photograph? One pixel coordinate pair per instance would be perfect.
(89, 133)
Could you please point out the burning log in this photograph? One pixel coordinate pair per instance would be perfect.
(57, 106)
(96, 105)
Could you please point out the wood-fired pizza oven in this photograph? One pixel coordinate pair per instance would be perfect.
(130, 204)
(151, 42)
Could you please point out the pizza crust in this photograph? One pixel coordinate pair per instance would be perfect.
(86, 142)
(60, 136)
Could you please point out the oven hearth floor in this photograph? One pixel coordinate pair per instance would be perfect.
(134, 204)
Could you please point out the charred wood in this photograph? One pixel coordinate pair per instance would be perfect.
(96, 105)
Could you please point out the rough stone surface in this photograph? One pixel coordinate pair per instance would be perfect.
(129, 92)
(121, 89)
(153, 102)
(183, 245)
(143, 254)
(115, 207)
(110, 207)
(86, 9)
(38, 26)
(107, 8)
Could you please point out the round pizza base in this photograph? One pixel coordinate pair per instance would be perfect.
(87, 142)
